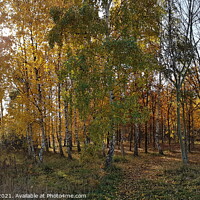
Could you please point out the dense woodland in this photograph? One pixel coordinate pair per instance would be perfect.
(94, 79)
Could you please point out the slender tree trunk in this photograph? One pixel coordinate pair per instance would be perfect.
(112, 133)
(146, 125)
(53, 141)
(184, 125)
(139, 136)
(53, 134)
(28, 142)
(111, 150)
(40, 107)
(157, 139)
(159, 123)
(168, 120)
(118, 137)
(136, 134)
(2, 136)
(67, 132)
(153, 129)
(86, 136)
(122, 142)
(146, 137)
(31, 148)
(46, 137)
(59, 121)
(150, 131)
(131, 138)
(42, 140)
(1, 118)
(181, 137)
(112, 138)
(71, 117)
(162, 127)
(168, 128)
(192, 127)
(189, 126)
(76, 132)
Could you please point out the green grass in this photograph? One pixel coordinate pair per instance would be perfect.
(107, 189)
(55, 175)
(181, 183)
(58, 175)
(119, 158)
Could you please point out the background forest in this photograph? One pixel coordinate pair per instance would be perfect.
(88, 88)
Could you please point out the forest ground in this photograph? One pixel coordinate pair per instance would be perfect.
(153, 176)
(146, 177)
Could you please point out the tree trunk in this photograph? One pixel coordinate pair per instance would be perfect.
(131, 138)
(46, 138)
(53, 140)
(42, 141)
(146, 138)
(112, 131)
(40, 107)
(146, 123)
(153, 129)
(157, 139)
(1, 117)
(122, 142)
(181, 137)
(31, 149)
(168, 129)
(67, 132)
(139, 136)
(159, 118)
(59, 121)
(136, 134)
(111, 150)
(76, 132)
(112, 138)
(86, 136)
(184, 125)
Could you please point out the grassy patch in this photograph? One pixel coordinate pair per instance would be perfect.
(147, 177)
(119, 158)
(178, 183)
(59, 175)
(56, 175)
(107, 188)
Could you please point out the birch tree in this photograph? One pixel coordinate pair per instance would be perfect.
(179, 42)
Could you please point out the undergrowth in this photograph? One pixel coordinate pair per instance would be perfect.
(57, 175)
(177, 183)
(81, 176)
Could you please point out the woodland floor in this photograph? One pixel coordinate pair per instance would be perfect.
(152, 176)
(146, 177)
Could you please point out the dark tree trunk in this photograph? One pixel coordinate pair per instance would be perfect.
(131, 138)
(136, 133)
(146, 137)
(67, 132)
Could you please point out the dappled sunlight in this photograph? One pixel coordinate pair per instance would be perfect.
(171, 158)
(100, 97)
